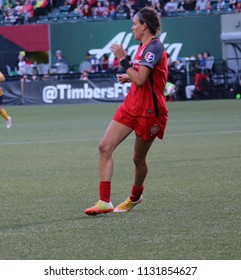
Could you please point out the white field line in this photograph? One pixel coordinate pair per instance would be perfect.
(203, 133)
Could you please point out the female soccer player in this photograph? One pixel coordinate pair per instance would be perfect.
(143, 110)
(3, 112)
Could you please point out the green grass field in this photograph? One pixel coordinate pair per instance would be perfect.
(49, 175)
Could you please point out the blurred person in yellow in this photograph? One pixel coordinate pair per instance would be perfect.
(3, 112)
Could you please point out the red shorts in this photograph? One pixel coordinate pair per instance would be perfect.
(146, 128)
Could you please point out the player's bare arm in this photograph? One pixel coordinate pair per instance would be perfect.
(139, 78)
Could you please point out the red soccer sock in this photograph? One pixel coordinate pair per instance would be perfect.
(104, 191)
(136, 192)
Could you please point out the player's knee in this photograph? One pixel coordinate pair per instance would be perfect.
(103, 148)
(138, 160)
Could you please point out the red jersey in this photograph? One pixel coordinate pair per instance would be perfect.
(148, 100)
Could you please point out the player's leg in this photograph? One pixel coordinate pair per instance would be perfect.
(114, 135)
(4, 113)
(140, 153)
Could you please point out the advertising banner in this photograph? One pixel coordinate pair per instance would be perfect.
(181, 36)
(65, 91)
(11, 93)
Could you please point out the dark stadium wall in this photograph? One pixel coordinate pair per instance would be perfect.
(8, 54)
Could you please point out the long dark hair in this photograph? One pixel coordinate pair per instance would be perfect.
(150, 17)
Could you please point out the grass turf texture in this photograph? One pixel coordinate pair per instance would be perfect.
(191, 207)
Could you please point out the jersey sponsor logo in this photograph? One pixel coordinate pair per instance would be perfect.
(149, 57)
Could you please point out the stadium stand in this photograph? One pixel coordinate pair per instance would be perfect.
(44, 12)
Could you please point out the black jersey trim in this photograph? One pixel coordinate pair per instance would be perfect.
(154, 97)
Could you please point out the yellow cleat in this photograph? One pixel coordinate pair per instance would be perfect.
(127, 205)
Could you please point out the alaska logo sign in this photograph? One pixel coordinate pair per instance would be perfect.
(124, 38)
